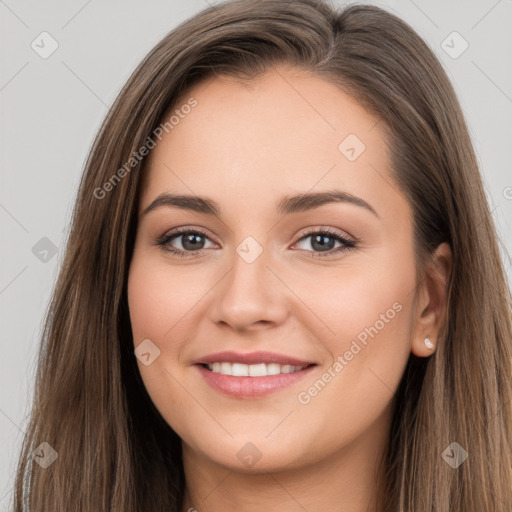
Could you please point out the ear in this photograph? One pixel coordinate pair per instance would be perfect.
(431, 301)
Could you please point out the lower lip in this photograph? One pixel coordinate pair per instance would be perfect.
(251, 387)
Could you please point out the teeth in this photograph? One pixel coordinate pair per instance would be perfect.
(252, 370)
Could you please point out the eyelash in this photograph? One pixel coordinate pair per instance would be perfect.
(164, 241)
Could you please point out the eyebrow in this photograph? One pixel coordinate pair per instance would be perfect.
(288, 204)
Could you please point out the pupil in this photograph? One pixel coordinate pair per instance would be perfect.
(320, 240)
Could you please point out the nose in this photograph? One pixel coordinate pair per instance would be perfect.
(250, 296)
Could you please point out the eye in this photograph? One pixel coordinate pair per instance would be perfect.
(322, 242)
(190, 240)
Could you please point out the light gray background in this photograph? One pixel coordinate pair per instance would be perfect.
(52, 108)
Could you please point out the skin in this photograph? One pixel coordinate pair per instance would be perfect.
(245, 147)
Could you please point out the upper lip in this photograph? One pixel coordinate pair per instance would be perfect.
(251, 358)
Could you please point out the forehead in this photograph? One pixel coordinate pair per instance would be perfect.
(282, 133)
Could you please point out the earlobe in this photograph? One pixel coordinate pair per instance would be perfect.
(425, 349)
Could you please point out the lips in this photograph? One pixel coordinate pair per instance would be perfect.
(251, 387)
(251, 358)
(240, 375)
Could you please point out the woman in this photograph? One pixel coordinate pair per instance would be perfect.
(282, 288)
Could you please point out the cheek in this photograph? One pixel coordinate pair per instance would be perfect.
(165, 303)
(371, 308)
(368, 313)
(160, 298)
(361, 299)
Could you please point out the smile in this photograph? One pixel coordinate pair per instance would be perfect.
(251, 381)
(253, 370)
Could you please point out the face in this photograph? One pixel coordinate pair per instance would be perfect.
(325, 282)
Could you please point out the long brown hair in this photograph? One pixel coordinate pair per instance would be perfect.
(115, 451)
